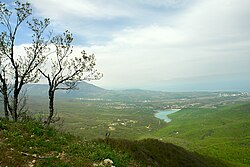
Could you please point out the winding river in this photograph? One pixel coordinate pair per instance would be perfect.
(162, 114)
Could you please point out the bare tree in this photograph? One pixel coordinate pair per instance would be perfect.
(67, 71)
(4, 90)
(22, 68)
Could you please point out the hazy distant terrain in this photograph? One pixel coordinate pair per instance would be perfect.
(86, 90)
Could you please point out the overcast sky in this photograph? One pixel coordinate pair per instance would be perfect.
(151, 44)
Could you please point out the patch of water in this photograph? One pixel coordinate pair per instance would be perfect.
(162, 114)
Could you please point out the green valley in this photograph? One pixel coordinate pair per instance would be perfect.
(223, 133)
(212, 128)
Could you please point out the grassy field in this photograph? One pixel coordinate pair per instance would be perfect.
(92, 119)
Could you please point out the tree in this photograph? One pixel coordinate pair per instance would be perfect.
(22, 69)
(67, 71)
(4, 88)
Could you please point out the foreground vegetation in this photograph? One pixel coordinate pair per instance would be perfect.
(32, 144)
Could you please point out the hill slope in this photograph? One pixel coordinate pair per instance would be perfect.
(31, 144)
(223, 133)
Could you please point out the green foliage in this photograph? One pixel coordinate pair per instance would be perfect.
(151, 152)
(28, 141)
(222, 133)
(97, 151)
(2, 125)
(25, 143)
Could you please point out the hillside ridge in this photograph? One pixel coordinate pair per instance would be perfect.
(32, 144)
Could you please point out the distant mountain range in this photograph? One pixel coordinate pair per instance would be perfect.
(83, 89)
(90, 91)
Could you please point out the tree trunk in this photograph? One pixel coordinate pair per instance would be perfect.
(6, 101)
(4, 91)
(51, 105)
(16, 94)
(15, 104)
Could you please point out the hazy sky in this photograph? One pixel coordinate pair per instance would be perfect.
(153, 44)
